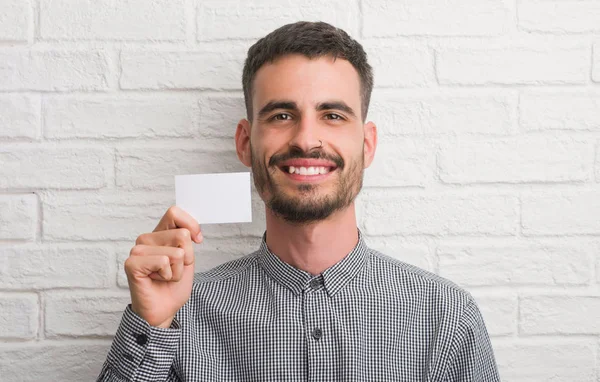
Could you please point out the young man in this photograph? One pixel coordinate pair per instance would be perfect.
(313, 303)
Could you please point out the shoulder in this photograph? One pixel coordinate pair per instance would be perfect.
(416, 281)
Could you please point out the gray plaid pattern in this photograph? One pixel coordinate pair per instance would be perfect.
(367, 318)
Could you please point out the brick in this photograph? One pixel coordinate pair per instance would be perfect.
(122, 255)
(18, 217)
(516, 161)
(401, 163)
(80, 314)
(559, 315)
(414, 254)
(567, 110)
(54, 266)
(220, 114)
(400, 114)
(384, 18)
(391, 213)
(561, 213)
(19, 116)
(45, 167)
(559, 16)
(15, 21)
(54, 70)
(516, 264)
(151, 168)
(551, 360)
(61, 361)
(597, 163)
(399, 65)
(119, 215)
(18, 316)
(120, 117)
(216, 251)
(499, 313)
(596, 63)
(513, 65)
(183, 70)
(231, 19)
(159, 20)
(107, 215)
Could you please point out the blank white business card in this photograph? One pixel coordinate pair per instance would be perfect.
(215, 198)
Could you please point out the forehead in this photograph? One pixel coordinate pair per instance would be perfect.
(307, 81)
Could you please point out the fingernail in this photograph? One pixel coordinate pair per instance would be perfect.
(199, 237)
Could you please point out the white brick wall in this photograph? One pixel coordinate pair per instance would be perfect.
(162, 20)
(15, 20)
(487, 173)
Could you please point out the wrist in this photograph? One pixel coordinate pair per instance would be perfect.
(166, 324)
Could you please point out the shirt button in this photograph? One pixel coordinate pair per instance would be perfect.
(315, 283)
(317, 333)
(128, 356)
(141, 339)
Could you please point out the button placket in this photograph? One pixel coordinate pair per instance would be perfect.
(317, 331)
(316, 283)
(141, 339)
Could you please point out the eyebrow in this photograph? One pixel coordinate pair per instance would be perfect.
(336, 105)
(274, 105)
(290, 105)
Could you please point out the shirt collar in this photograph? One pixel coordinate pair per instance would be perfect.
(297, 280)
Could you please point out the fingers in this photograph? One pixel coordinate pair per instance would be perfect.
(179, 237)
(143, 266)
(175, 217)
(159, 263)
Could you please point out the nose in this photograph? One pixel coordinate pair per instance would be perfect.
(306, 135)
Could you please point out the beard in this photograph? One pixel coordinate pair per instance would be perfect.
(309, 206)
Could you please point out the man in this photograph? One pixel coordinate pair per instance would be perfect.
(313, 303)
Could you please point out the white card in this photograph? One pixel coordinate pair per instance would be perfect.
(215, 198)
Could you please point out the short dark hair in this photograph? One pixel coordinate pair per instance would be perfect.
(313, 40)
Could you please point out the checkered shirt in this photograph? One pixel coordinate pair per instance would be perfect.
(367, 318)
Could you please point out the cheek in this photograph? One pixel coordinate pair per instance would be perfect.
(268, 144)
(350, 149)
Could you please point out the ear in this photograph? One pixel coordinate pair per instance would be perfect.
(242, 142)
(370, 143)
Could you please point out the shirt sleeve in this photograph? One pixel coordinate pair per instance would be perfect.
(141, 352)
(472, 358)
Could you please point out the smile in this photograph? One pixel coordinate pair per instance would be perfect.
(308, 170)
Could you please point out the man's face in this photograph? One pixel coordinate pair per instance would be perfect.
(307, 140)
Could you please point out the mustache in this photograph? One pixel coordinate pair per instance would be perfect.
(296, 153)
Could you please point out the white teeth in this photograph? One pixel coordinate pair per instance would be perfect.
(308, 170)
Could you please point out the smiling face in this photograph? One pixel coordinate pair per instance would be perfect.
(307, 144)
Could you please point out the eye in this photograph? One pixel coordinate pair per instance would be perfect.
(281, 117)
(333, 117)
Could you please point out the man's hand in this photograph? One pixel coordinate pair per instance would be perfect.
(160, 268)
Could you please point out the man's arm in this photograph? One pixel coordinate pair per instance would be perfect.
(141, 352)
(472, 357)
(160, 274)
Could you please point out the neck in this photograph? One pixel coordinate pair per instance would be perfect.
(316, 246)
